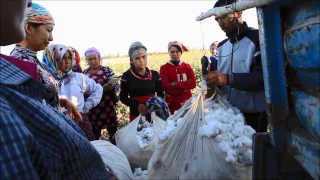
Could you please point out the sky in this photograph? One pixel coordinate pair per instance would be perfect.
(111, 26)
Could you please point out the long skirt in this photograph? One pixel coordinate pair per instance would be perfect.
(86, 127)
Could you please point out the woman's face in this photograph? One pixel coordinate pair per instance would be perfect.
(12, 15)
(174, 53)
(65, 63)
(39, 37)
(213, 50)
(93, 61)
(140, 60)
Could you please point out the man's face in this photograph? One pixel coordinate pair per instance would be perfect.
(228, 23)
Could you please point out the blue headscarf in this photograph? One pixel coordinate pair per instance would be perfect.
(52, 55)
(159, 106)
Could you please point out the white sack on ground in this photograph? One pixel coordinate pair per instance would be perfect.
(113, 159)
(128, 141)
(187, 154)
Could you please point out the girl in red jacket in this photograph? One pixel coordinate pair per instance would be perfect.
(177, 77)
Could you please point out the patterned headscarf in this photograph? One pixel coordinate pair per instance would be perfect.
(77, 66)
(92, 51)
(136, 48)
(159, 106)
(38, 14)
(180, 46)
(52, 55)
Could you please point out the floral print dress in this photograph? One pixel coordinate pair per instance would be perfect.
(50, 84)
(103, 116)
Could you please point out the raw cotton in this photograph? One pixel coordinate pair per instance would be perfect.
(188, 155)
(145, 133)
(169, 129)
(227, 127)
(140, 174)
(139, 146)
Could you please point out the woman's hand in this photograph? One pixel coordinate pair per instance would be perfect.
(107, 87)
(72, 110)
(143, 110)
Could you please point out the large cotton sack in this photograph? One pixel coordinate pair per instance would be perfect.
(113, 159)
(187, 155)
(126, 140)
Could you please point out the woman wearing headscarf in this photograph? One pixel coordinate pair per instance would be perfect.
(38, 27)
(177, 77)
(37, 142)
(77, 66)
(104, 114)
(59, 60)
(139, 83)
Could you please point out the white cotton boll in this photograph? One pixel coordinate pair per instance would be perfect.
(240, 149)
(237, 130)
(229, 136)
(249, 131)
(238, 118)
(247, 142)
(229, 127)
(243, 141)
(230, 111)
(222, 128)
(241, 144)
(246, 157)
(169, 129)
(231, 157)
(236, 110)
(145, 135)
(220, 138)
(211, 129)
(225, 146)
(137, 171)
(144, 173)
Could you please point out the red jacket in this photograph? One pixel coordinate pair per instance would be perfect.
(184, 78)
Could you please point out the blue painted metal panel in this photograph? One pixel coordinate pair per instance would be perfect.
(308, 111)
(297, 24)
(301, 44)
(305, 149)
(302, 48)
(271, 45)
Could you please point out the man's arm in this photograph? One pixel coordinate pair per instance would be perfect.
(252, 81)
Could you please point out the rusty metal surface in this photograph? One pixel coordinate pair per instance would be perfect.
(305, 150)
(272, 55)
(290, 51)
(308, 111)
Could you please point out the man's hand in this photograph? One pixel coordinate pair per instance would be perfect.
(216, 78)
(143, 110)
(107, 87)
